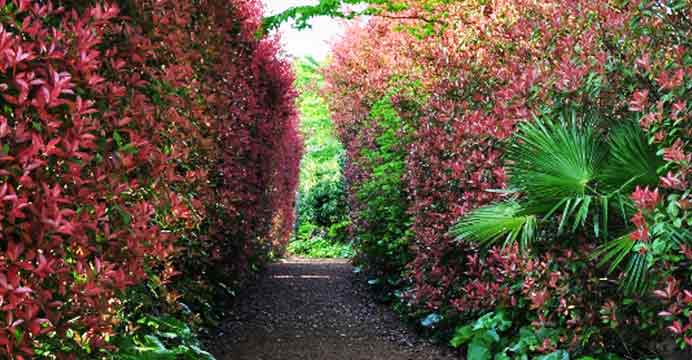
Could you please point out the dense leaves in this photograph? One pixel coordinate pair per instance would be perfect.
(138, 140)
(322, 223)
(460, 86)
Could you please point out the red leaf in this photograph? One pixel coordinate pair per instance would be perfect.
(36, 326)
(14, 250)
(676, 328)
(639, 100)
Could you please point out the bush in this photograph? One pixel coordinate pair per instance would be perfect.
(325, 203)
(478, 69)
(322, 197)
(136, 144)
(322, 224)
(320, 246)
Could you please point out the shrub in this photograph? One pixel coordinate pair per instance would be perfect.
(319, 246)
(323, 151)
(322, 203)
(566, 172)
(133, 144)
(322, 223)
(479, 69)
(325, 203)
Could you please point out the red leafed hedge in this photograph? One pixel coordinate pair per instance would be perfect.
(135, 137)
(482, 67)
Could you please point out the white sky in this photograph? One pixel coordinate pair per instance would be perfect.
(313, 41)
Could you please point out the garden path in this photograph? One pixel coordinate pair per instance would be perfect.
(314, 310)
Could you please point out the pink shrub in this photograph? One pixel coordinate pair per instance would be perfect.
(122, 130)
(484, 67)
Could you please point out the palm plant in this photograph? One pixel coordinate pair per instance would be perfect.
(568, 169)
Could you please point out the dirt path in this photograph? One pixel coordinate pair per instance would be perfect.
(311, 310)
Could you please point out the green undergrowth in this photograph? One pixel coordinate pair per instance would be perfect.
(172, 321)
(162, 338)
(497, 335)
(322, 223)
(320, 248)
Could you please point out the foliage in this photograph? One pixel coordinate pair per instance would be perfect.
(323, 151)
(554, 165)
(322, 224)
(489, 337)
(481, 335)
(381, 224)
(163, 338)
(460, 93)
(324, 204)
(302, 15)
(322, 227)
(375, 138)
(141, 142)
(507, 221)
(328, 245)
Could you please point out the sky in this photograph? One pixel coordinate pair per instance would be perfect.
(299, 43)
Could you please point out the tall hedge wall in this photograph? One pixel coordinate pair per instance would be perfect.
(139, 140)
(459, 77)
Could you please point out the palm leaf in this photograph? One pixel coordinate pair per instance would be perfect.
(615, 253)
(551, 160)
(553, 163)
(490, 224)
(632, 160)
(635, 274)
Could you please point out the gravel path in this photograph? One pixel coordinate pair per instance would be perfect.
(311, 310)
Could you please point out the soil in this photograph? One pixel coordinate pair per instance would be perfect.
(315, 309)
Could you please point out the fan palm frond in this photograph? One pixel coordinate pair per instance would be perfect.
(632, 160)
(614, 252)
(554, 163)
(635, 274)
(620, 250)
(490, 224)
(567, 169)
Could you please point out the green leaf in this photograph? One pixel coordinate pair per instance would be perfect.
(502, 356)
(636, 273)
(18, 335)
(201, 354)
(490, 224)
(502, 323)
(129, 149)
(553, 161)
(462, 335)
(673, 209)
(153, 349)
(118, 139)
(632, 160)
(613, 252)
(172, 324)
(623, 248)
(479, 349)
